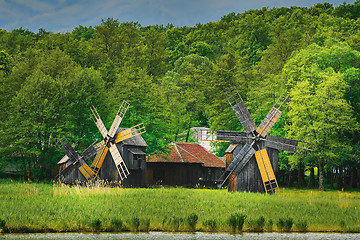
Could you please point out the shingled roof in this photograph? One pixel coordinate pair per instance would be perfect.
(188, 153)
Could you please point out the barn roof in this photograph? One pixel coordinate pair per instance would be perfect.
(188, 153)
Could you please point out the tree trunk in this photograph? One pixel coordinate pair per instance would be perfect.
(354, 177)
(321, 176)
(312, 178)
(301, 179)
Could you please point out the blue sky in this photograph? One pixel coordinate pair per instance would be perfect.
(65, 15)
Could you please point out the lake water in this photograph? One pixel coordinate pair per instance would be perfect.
(194, 236)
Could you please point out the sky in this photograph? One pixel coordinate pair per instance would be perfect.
(65, 15)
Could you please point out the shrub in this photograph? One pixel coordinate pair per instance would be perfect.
(257, 225)
(135, 223)
(145, 225)
(285, 225)
(192, 220)
(96, 225)
(210, 224)
(2, 224)
(269, 226)
(116, 225)
(236, 221)
(302, 226)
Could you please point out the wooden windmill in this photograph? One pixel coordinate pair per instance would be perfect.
(111, 138)
(76, 166)
(255, 141)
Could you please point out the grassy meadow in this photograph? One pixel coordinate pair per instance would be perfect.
(41, 207)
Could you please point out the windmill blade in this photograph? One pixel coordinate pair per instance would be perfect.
(239, 162)
(85, 170)
(91, 151)
(242, 113)
(224, 136)
(130, 132)
(233, 136)
(100, 156)
(289, 145)
(66, 147)
(98, 122)
(266, 171)
(118, 118)
(272, 117)
(119, 162)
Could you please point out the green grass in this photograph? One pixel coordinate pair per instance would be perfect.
(40, 207)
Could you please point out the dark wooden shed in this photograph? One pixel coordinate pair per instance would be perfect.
(186, 164)
(133, 152)
(250, 179)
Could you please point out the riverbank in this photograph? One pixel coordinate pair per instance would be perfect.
(39, 207)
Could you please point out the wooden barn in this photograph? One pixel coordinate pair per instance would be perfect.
(249, 179)
(186, 164)
(133, 152)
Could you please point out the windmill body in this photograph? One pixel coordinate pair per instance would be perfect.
(254, 160)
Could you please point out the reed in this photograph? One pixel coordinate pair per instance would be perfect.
(41, 207)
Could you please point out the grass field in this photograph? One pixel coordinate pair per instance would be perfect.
(40, 207)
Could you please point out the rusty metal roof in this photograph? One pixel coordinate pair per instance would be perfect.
(188, 153)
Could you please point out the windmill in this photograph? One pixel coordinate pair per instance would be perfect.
(111, 138)
(255, 141)
(75, 166)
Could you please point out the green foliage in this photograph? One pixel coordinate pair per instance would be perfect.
(284, 224)
(256, 225)
(174, 79)
(96, 225)
(210, 224)
(134, 223)
(236, 221)
(2, 224)
(116, 225)
(302, 226)
(192, 221)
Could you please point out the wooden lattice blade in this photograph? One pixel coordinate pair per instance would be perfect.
(289, 145)
(233, 136)
(130, 132)
(90, 152)
(238, 162)
(99, 158)
(85, 170)
(268, 122)
(266, 171)
(66, 147)
(118, 118)
(119, 162)
(98, 122)
(242, 113)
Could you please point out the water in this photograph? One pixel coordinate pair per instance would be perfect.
(176, 236)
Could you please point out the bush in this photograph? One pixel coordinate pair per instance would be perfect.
(285, 225)
(135, 223)
(96, 225)
(192, 220)
(269, 226)
(116, 225)
(2, 225)
(236, 221)
(210, 224)
(257, 225)
(302, 226)
(145, 225)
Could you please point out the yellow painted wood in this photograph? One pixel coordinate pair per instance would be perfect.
(268, 122)
(86, 171)
(130, 132)
(266, 170)
(102, 158)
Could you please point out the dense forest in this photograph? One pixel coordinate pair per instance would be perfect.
(174, 79)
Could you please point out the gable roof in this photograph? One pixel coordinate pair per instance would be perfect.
(188, 153)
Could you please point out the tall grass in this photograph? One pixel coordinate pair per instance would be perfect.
(38, 207)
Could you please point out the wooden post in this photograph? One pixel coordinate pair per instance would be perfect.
(229, 158)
